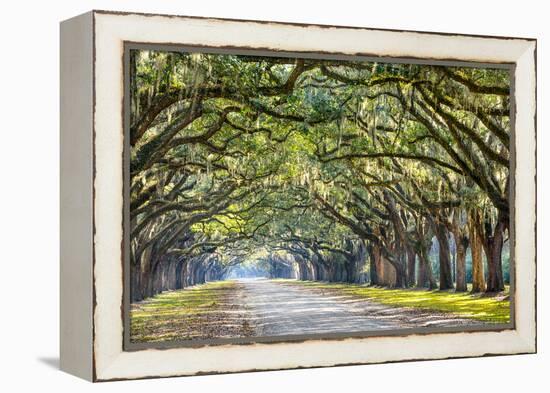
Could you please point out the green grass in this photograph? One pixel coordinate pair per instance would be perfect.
(478, 307)
(176, 314)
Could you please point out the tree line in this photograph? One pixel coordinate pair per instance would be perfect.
(326, 170)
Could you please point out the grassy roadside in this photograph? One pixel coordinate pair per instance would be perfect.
(478, 307)
(194, 312)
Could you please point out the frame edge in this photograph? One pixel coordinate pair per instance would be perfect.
(76, 200)
(112, 370)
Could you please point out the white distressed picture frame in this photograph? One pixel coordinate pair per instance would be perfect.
(92, 112)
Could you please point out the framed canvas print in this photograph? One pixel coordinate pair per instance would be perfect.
(245, 195)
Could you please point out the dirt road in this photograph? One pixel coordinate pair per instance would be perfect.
(277, 309)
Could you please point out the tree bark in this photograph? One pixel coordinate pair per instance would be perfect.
(445, 276)
(372, 265)
(476, 246)
(461, 285)
(425, 277)
(380, 271)
(461, 245)
(493, 250)
(411, 267)
(400, 275)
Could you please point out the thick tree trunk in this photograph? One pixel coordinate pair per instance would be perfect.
(321, 272)
(372, 265)
(453, 260)
(493, 240)
(360, 262)
(476, 246)
(425, 277)
(155, 278)
(310, 272)
(411, 267)
(385, 271)
(400, 275)
(303, 268)
(180, 268)
(379, 266)
(353, 272)
(147, 275)
(461, 266)
(338, 271)
(495, 280)
(445, 275)
(461, 246)
(314, 271)
(135, 286)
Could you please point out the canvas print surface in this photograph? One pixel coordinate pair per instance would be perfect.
(283, 197)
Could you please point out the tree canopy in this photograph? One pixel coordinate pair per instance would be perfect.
(340, 170)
